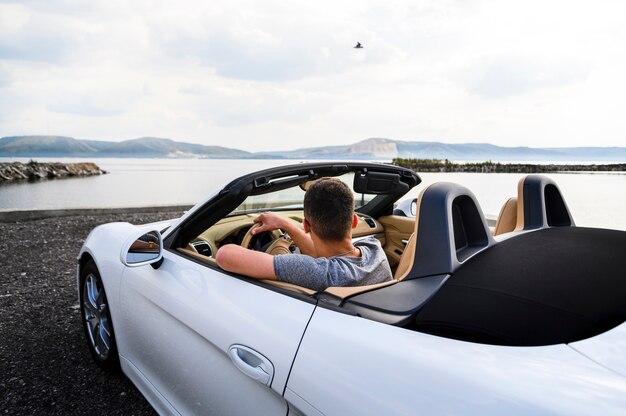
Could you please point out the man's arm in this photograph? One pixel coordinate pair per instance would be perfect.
(241, 260)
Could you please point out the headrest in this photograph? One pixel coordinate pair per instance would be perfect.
(540, 204)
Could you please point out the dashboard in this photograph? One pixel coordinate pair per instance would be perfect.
(231, 230)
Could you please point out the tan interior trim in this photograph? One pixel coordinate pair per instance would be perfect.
(197, 256)
(406, 261)
(397, 229)
(507, 218)
(290, 286)
(408, 256)
(227, 226)
(345, 291)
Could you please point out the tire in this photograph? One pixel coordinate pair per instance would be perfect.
(96, 317)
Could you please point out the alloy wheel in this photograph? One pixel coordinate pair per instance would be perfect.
(96, 316)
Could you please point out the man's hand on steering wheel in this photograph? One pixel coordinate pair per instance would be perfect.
(268, 222)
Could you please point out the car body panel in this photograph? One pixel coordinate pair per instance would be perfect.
(349, 365)
(608, 349)
(182, 307)
(154, 397)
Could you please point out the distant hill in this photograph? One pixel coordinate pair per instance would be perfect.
(370, 149)
(387, 149)
(44, 146)
(155, 147)
(59, 146)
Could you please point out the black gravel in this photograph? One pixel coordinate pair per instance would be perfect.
(45, 365)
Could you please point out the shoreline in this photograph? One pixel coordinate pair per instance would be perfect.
(15, 215)
(11, 215)
(447, 166)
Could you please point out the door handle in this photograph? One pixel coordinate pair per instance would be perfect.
(252, 364)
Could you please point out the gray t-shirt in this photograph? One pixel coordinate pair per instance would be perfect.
(318, 274)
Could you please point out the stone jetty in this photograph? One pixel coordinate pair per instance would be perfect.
(46, 170)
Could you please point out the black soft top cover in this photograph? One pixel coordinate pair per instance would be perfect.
(543, 287)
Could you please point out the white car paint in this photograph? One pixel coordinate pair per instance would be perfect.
(201, 313)
(350, 365)
(175, 326)
(608, 349)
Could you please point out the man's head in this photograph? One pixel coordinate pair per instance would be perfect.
(329, 208)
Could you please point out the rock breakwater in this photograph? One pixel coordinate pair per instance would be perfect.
(437, 165)
(32, 170)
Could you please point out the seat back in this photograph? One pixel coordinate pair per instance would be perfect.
(507, 219)
(406, 260)
(408, 254)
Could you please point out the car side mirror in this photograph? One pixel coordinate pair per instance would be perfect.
(406, 208)
(144, 249)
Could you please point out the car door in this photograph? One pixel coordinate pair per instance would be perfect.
(351, 365)
(209, 343)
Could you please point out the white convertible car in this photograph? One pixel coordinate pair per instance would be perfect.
(526, 318)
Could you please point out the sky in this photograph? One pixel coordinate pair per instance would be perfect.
(281, 75)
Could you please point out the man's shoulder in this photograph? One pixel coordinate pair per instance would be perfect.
(298, 257)
(370, 242)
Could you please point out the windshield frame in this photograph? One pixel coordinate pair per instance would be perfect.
(205, 214)
(294, 198)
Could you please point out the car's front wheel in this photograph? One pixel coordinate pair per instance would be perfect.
(96, 318)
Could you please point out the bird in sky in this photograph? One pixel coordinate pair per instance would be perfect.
(358, 46)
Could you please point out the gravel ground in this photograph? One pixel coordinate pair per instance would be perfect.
(45, 366)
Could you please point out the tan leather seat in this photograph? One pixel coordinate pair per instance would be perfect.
(538, 195)
(507, 219)
(511, 216)
(408, 254)
(406, 260)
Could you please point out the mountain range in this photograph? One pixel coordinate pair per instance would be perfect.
(369, 149)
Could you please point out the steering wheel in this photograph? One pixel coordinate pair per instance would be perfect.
(279, 246)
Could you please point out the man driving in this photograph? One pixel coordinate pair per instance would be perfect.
(328, 256)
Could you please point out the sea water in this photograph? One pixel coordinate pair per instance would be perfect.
(594, 199)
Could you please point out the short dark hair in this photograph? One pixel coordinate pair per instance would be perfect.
(329, 208)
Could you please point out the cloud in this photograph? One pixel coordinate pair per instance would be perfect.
(29, 36)
(225, 71)
(5, 78)
(242, 103)
(504, 76)
(266, 47)
(91, 103)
